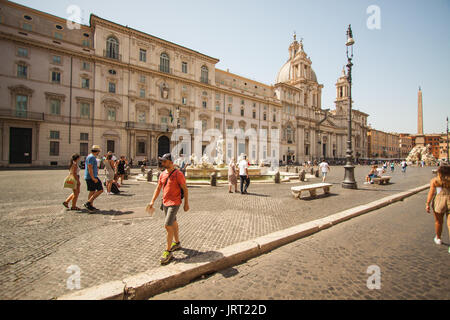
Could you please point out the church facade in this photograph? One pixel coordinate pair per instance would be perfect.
(64, 89)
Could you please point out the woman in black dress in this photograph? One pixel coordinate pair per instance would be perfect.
(121, 168)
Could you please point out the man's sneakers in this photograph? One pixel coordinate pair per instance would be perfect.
(175, 246)
(167, 256)
(90, 207)
(437, 241)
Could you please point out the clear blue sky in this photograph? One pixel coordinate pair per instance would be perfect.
(251, 38)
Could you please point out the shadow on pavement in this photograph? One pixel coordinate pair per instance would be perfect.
(318, 197)
(195, 256)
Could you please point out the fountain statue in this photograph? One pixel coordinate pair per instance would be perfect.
(421, 153)
(219, 150)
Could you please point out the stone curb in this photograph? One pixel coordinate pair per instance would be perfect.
(152, 282)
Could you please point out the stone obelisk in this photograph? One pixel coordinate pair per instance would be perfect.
(420, 138)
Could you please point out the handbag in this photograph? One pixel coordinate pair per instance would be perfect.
(70, 182)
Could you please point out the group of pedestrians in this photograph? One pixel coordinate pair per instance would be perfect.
(114, 170)
(239, 169)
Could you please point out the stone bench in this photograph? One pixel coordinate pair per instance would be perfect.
(312, 188)
(382, 180)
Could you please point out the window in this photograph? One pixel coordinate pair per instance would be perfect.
(217, 125)
(55, 107)
(217, 106)
(58, 35)
(265, 116)
(56, 59)
(112, 87)
(141, 147)
(84, 149)
(142, 117)
(56, 77)
(112, 48)
(22, 71)
(111, 145)
(85, 83)
(184, 67)
(230, 109)
(143, 55)
(274, 118)
(230, 99)
(205, 104)
(27, 27)
(21, 105)
(84, 136)
(142, 79)
(242, 102)
(204, 125)
(54, 135)
(22, 52)
(254, 114)
(184, 100)
(86, 66)
(111, 114)
(242, 112)
(85, 43)
(54, 148)
(85, 110)
(183, 121)
(204, 75)
(142, 93)
(164, 63)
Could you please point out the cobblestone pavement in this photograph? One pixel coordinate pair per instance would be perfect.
(39, 239)
(332, 264)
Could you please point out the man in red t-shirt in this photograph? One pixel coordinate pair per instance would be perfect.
(173, 182)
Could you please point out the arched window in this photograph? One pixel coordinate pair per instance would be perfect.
(164, 64)
(112, 48)
(205, 76)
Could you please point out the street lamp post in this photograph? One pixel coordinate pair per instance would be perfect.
(349, 179)
(448, 149)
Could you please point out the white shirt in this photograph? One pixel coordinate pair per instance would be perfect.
(243, 164)
(403, 163)
(380, 171)
(324, 166)
(114, 158)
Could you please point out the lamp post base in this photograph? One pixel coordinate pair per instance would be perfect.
(349, 179)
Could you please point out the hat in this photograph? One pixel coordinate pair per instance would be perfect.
(167, 156)
(96, 148)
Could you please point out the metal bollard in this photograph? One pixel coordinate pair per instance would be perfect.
(302, 175)
(277, 177)
(150, 175)
(214, 179)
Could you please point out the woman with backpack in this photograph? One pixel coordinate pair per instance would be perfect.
(74, 170)
(109, 167)
(440, 191)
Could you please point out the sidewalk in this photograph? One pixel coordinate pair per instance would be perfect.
(40, 240)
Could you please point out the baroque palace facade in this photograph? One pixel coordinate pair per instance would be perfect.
(63, 90)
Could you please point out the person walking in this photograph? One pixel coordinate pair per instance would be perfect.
(440, 191)
(121, 168)
(232, 176)
(94, 185)
(110, 172)
(74, 169)
(325, 168)
(173, 184)
(243, 173)
(392, 166)
(404, 165)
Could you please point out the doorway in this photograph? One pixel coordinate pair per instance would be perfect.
(20, 145)
(163, 146)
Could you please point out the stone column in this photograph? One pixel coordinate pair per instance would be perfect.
(301, 143)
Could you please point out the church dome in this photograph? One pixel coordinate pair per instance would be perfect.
(285, 73)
